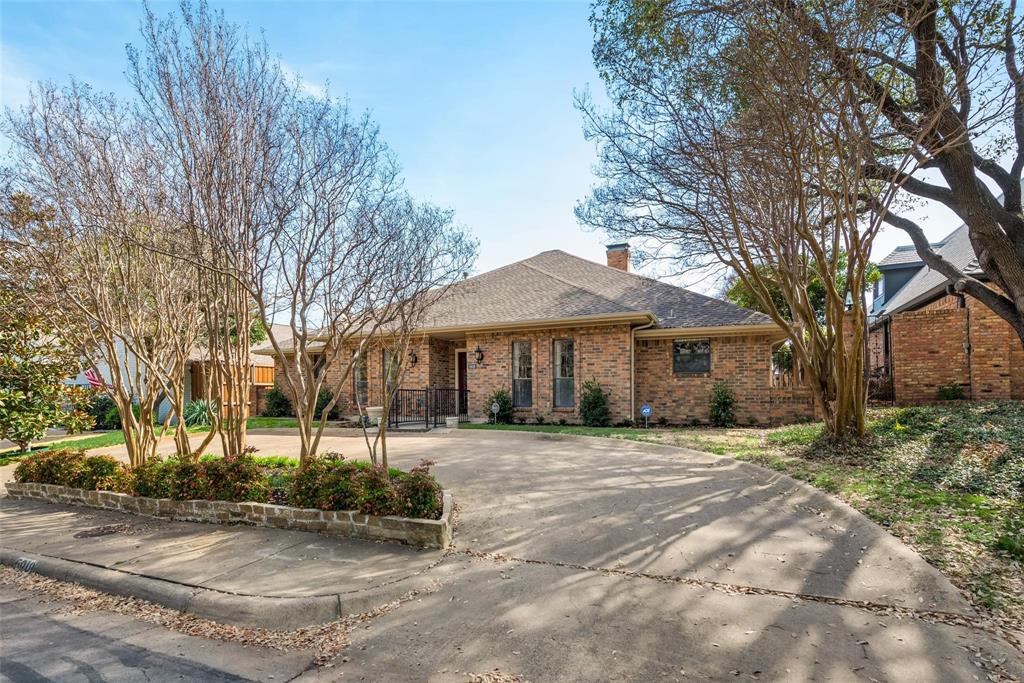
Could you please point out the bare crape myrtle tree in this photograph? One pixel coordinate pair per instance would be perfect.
(346, 250)
(214, 103)
(220, 200)
(729, 148)
(434, 254)
(941, 83)
(129, 310)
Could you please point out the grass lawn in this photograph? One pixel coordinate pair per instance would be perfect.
(272, 423)
(947, 480)
(85, 443)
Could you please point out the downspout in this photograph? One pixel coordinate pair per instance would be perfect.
(632, 367)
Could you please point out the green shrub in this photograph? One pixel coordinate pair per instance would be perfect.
(50, 467)
(70, 468)
(504, 400)
(99, 472)
(418, 494)
(276, 404)
(197, 413)
(152, 479)
(377, 493)
(594, 409)
(950, 392)
(322, 399)
(236, 480)
(104, 412)
(332, 483)
(326, 483)
(113, 417)
(722, 406)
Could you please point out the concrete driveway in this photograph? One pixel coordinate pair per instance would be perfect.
(593, 559)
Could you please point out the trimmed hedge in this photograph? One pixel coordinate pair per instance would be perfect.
(327, 483)
(71, 468)
(333, 483)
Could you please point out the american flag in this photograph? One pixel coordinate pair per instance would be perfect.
(95, 381)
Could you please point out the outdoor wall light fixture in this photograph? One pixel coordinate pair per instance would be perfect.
(478, 353)
(412, 357)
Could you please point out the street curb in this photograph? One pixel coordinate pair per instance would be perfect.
(279, 613)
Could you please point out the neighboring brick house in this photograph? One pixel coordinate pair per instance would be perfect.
(542, 326)
(924, 337)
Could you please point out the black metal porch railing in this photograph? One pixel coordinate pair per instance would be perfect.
(428, 407)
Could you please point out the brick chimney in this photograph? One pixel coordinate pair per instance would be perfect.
(618, 256)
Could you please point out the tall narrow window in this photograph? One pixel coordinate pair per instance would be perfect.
(319, 362)
(522, 374)
(564, 373)
(360, 380)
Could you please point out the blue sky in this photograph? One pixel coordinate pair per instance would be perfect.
(474, 97)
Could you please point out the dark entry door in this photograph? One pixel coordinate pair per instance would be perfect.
(463, 383)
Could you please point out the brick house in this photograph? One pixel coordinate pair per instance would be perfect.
(924, 336)
(542, 326)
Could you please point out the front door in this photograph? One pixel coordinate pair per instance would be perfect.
(462, 383)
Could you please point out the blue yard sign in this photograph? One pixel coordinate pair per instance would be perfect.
(646, 411)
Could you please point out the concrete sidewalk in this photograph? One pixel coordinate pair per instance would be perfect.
(232, 574)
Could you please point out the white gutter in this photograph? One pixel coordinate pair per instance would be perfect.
(632, 367)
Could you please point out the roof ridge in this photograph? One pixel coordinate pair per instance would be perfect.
(577, 285)
(652, 280)
(643, 278)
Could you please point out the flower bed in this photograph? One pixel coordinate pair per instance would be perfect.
(330, 495)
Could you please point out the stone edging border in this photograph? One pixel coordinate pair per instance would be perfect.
(424, 533)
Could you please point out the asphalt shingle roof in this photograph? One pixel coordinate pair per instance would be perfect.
(903, 255)
(555, 285)
(956, 249)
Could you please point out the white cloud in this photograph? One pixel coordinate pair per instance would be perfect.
(306, 86)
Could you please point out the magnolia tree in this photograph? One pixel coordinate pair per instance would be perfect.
(728, 147)
(34, 366)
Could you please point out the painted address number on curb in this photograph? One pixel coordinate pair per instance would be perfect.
(26, 564)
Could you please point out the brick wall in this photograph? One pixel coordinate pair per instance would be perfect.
(1016, 368)
(414, 376)
(792, 404)
(928, 352)
(744, 363)
(442, 364)
(600, 352)
(991, 339)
